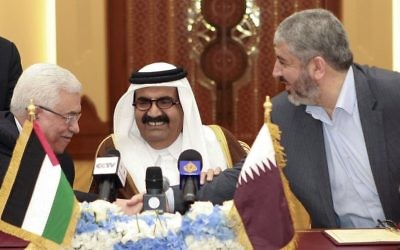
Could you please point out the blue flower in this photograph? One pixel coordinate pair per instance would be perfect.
(171, 241)
(101, 224)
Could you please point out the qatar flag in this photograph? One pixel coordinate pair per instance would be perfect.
(260, 205)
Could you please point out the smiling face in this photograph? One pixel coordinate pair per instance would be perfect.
(159, 127)
(289, 70)
(57, 131)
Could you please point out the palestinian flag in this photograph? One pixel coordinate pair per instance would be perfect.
(37, 203)
(260, 208)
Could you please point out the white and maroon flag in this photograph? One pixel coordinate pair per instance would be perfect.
(37, 203)
(260, 205)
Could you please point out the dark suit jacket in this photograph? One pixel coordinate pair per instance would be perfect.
(8, 137)
(378, 97)
(10, 70)
(221, 188)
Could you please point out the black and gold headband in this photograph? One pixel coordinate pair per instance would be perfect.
(157, 76)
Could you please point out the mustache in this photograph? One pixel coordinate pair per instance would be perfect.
(282, 79)
(161, 118)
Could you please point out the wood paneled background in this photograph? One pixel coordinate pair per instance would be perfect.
(225, 45)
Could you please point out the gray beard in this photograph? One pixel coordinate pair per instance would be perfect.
(308, 93)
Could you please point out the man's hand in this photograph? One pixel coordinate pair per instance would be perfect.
(209, 175)
(132, 206)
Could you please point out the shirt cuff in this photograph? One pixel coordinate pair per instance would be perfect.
(169, 194)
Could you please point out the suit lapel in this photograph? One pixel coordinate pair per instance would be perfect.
(312, 153)
(9, 131)
(372, 124)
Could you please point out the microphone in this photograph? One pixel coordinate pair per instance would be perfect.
(155, 199)
(109, 174)
(190, 164)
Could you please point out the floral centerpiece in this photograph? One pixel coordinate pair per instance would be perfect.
(102, 225)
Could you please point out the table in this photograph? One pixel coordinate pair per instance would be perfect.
(308, 240)
(315, 240)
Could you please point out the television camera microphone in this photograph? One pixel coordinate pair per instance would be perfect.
(109, 175)
(190, 164)
(154, 199)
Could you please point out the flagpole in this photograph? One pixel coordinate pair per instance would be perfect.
(31, 110)
(281, 163)
(267, 109)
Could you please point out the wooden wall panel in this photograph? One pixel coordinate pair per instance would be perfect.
(92, 131)
(230, 87)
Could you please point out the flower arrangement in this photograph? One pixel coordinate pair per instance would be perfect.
(102, 225)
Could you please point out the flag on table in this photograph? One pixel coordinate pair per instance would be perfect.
(37, 203)
(260, 205)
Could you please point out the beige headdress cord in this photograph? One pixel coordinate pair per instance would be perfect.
(223, 143)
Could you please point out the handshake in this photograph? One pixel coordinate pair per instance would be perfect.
(156, 198)
(159, 195)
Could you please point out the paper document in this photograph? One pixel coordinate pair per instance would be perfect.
(363, 236)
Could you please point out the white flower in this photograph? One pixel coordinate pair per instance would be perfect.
(101, 207)
(211, 243)
(200, 207)
(103, 226)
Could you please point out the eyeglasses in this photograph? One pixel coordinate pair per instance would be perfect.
(68, 118)
(388, 224)
(144, 104)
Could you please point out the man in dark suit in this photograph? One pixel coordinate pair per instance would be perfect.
(219, 189)
(8, 137)
(340, 124)
(10, 70)
(57, 95)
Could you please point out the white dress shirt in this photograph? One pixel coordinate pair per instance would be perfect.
(355, 197)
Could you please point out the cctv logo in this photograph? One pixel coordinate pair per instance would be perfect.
(105, 165)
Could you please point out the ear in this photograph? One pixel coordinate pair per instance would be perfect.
(38, 112)
(317, 67)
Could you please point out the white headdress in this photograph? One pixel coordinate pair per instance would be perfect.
(133, 148)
